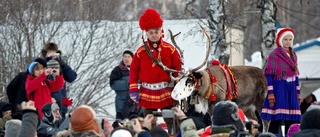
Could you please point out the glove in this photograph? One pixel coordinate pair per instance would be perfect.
(134, 96)
(67, 102)
(272, 100)
(61, 62)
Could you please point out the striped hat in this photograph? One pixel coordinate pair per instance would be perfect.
(53, 64)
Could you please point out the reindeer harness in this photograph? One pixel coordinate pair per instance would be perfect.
(207, 91)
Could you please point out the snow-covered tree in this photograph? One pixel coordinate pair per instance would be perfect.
(92, 47)
(268, 10)
(216, 20)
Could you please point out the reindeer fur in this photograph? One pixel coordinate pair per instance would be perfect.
(252, 88)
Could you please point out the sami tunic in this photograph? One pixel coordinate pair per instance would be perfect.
(144, 70)
(282, 77)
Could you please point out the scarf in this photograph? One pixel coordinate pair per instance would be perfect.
(281, 65)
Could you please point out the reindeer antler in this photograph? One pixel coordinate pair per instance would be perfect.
(208, 51)
(157, 61)
(172, 37)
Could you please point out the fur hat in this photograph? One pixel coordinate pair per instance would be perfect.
(31, 66)
(53, 64)
(225, 113)
(12, 127)
(48, 109)
(128, 52)
(281, 33)
(150, 19)
(84, 118)
(310, 120)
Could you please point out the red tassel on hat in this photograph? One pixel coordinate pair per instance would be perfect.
(150, 19)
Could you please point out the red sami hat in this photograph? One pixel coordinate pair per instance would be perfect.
(150, 19)
(281, 33)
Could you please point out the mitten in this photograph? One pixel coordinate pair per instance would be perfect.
(271, 99)
(134, 95)
(66, 102)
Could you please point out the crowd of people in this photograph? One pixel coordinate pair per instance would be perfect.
(38, 102)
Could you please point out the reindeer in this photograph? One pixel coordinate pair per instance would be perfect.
(208, 86)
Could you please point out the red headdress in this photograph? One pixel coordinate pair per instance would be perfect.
(281, 33)
(150, 19)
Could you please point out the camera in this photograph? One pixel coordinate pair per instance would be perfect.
(54, 71)
(248, 126)
(165, 113)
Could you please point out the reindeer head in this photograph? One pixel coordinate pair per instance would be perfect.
(188, 82)
(186, 86)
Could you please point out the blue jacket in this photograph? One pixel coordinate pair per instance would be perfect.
(119, 82)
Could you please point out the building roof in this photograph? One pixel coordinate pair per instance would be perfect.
(307, 44)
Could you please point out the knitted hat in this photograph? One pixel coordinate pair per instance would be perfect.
(12, 127)
(158, 132)
(281, 33)
(53, 64)
(41, 61)
(226, 113)
(83, 118)
(48, 109)
(121, 132)
(31, 66)
(313, 106)
(293, 129)
(310, 120)
(150, 19)
(128, 52)
(6, 108)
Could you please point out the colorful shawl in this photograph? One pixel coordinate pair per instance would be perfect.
(281, 65)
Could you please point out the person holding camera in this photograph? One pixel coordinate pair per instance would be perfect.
(38, 88)
(16, 90)
(51, 51)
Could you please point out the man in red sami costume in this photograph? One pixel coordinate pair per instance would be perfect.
(154, 92)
